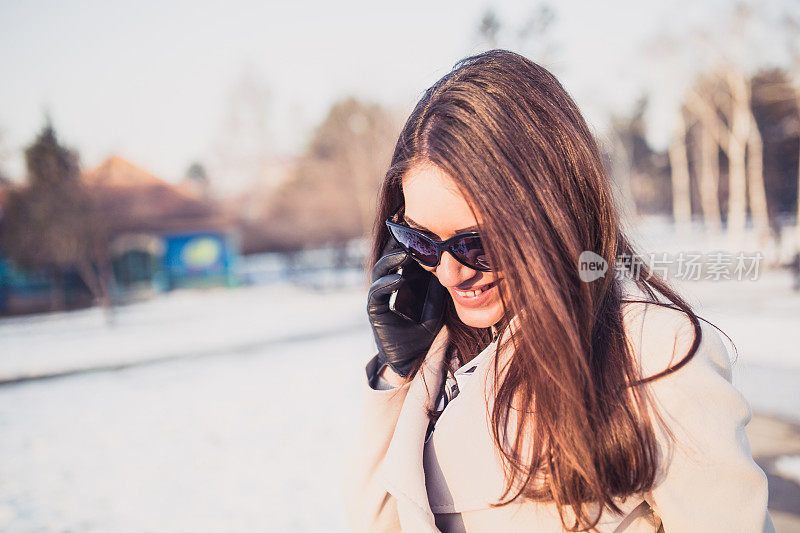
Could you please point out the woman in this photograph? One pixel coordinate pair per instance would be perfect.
(536, 391)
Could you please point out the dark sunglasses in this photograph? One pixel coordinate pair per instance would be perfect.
(467, 247)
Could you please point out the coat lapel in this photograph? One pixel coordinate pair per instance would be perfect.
(463, 468)
(402, 471)
(406, 462)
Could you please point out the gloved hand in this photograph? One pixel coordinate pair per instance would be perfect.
(401, 342)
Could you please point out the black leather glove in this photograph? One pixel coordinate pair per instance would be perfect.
(401, 342)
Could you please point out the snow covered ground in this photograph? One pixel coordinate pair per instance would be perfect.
(241, 415)
(178, 324)
(762, 318)
(243, 438)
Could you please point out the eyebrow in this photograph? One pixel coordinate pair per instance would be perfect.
(416, 225)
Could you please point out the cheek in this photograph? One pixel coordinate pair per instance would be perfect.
(496, 301)
(496, 310)
(495, 305)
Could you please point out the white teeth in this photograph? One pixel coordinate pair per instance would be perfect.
(469, 294)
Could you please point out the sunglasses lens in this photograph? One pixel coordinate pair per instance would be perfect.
(470, 251)
(415, 244)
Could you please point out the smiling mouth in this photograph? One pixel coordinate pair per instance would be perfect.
(475, 292)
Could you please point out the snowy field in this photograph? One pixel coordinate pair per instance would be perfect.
(243, 438)
(229, 410)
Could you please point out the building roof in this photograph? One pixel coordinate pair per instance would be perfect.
(117, 172)
(133, 199)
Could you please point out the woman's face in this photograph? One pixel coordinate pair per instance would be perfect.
(434, 204)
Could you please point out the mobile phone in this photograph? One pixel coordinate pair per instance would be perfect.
(409, 300)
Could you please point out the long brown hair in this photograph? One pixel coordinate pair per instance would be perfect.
(513, 140)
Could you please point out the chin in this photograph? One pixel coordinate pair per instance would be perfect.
(482, 317)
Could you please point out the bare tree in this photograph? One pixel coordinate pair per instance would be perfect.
(331, 197)
(621, 170)
(533, 35)
(712, 133)
(707, 153)
(640, 172)
(679, 165)
(489, 28)
(755, 176)
(720, 103)
(241, 152)
(791, 26)
(737, 60)
(712, 65)
(357, 139)
(197, 180)
(626, 136)
(740, 126)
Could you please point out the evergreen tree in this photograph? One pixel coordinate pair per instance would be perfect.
(50, 224)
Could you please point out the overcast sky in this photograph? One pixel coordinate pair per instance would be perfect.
(149, 80)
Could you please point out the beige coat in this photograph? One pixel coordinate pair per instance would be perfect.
(395, 481)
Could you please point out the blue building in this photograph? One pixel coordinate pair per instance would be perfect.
(199, 259)
(145, 264)
(162, 236)
(167, 236)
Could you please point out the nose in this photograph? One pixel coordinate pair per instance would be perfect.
(450, 272)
